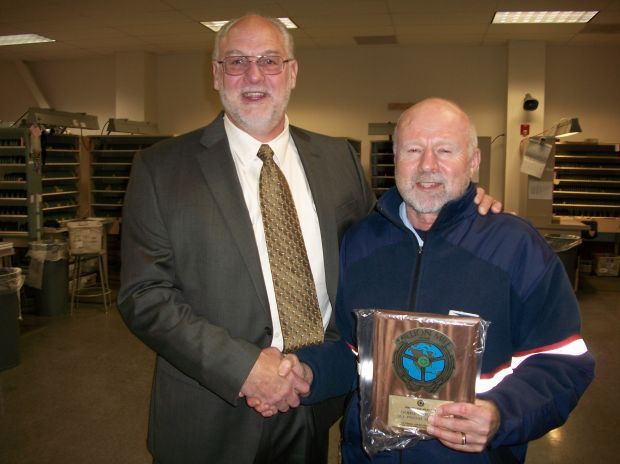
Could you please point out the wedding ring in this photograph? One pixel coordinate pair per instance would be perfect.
(463, 439)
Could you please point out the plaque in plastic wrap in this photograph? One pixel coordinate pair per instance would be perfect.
(421, 361)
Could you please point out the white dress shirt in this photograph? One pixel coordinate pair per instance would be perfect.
(244, 150)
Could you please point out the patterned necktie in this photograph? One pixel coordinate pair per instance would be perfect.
(298, 305)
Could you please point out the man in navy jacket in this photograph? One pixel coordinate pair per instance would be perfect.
(426, 249)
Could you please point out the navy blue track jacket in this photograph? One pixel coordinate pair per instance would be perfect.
(535, 366)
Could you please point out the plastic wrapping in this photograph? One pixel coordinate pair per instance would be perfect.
(11, 280)
(410, 363)
(39, 252)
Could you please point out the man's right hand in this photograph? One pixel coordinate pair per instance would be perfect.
(269, 392)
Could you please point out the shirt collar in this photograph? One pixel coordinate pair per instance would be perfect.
(246, 147)
(402, 212)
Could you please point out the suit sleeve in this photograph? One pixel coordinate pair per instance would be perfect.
(152, 304)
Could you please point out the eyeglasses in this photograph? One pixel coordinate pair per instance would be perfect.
(238, 65)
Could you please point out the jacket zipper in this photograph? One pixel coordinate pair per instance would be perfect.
(416, 279)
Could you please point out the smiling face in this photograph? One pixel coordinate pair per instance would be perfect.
(435, 158)
(255, 102)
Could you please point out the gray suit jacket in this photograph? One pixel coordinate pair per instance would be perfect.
(192, 288)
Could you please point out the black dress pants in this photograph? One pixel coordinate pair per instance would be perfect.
(293, 438)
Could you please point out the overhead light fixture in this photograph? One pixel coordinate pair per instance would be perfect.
(214, 25)
(288, 23)
(543, 17)
(217, 25)
(22, 39)
(131, 127)
(567, 127)
(50, 117)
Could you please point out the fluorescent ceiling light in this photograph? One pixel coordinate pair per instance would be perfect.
(21, 39)
(213, 25)
(542, 17)
(288, 22)
(217, 25)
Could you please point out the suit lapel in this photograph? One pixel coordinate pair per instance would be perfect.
(220, 174)
(219, 170)
(315, 169)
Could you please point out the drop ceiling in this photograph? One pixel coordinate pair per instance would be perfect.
(95, 28)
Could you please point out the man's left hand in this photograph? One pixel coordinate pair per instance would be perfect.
(465, 426)
(486, 202)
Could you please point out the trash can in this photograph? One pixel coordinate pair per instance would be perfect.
(10, 285)
(567, 248)
(48, 275)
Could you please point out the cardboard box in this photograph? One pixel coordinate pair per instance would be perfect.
(85, 236)
(606, 265)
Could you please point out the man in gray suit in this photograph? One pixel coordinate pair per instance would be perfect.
(196, 285)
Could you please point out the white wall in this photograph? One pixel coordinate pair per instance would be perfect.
(526, 74)
(15, 97)
(340, 91)
(185, 95)
(84, 86)
(584, 82)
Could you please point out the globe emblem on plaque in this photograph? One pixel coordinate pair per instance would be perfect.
(424, 362)
(424, 359)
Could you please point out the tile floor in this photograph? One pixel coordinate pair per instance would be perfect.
(80, 393)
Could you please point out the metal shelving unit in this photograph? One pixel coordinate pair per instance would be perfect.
(587, 183)
(17, 192)
(382, 166)
(36, 187)
(60, 178)
(111, 158)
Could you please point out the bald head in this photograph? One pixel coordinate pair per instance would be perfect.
(432, 107)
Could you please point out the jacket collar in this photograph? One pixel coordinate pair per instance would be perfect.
(452, 212)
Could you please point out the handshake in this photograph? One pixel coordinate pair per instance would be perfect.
(276, 382)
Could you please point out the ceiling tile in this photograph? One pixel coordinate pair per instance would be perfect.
(441, 19)
(452, 31)
(444, 6)
(332, 7)
(331, 21)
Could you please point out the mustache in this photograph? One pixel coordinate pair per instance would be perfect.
(254, 91)
(435, 178)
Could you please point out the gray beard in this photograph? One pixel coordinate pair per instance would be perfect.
(429, 204)
(260, 127)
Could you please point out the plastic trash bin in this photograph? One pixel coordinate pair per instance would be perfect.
(10, 285)
(567, 248)
(48, 274)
